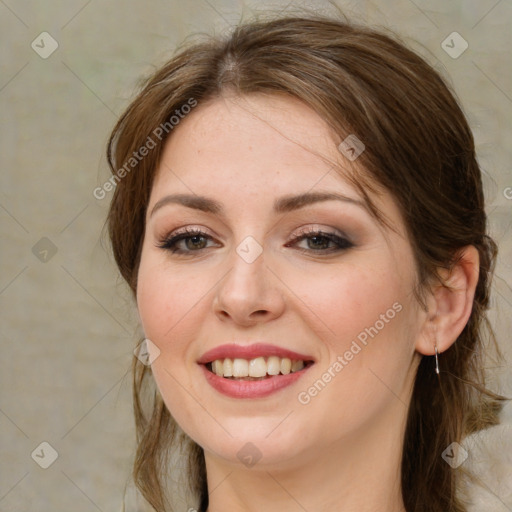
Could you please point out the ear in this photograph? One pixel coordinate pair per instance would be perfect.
(449, 307)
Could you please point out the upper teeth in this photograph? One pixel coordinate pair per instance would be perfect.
(257, 367)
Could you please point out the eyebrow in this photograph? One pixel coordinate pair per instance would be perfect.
(281, 205)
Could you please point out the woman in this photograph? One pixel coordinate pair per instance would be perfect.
(299, 214)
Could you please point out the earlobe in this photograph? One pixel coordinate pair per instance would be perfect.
(450, 304)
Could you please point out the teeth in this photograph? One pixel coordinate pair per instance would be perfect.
(255, 368)
(273, 365)
(286, 366)
(218, 367)
(297, 365)
(228, 368)
(240, 368)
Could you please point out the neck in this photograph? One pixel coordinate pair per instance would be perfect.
(359, 473)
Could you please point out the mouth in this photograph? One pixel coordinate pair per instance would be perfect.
(253, 371)
(259, 368)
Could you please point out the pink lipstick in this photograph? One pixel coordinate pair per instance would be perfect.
(252, 371)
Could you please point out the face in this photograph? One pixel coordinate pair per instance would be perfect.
(236, 270)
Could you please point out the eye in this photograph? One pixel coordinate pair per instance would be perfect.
(318, 241)
(192, 239)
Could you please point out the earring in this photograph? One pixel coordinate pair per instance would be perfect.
(437, 360)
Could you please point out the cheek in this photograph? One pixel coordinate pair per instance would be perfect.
(346, 302)
(367, 316)
(154, 303)
(166, 300)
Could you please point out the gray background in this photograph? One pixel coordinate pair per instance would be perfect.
(68, 326)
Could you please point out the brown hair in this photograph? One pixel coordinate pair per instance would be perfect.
(418, 146)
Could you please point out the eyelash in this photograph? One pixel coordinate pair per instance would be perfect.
(343, 244)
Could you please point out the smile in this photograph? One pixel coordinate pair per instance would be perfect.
(252, 371)
(255, 369)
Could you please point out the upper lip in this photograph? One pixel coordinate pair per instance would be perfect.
(234, 351)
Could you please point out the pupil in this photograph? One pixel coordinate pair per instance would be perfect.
(194, 239)
(317, 238)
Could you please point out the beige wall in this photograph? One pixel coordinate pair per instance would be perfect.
(67, 324)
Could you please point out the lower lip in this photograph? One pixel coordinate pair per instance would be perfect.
(251, 388)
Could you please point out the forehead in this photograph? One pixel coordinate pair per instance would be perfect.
(258, 146)
(277, 119)
(256, 140)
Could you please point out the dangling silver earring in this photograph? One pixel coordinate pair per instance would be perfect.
(437, 360)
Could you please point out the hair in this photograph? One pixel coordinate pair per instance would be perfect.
(418, 146)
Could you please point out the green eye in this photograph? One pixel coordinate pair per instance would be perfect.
(194, 240)
(319, 242)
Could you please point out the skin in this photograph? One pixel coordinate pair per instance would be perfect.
(342, 450)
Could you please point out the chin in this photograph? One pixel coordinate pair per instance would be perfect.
(267, 454)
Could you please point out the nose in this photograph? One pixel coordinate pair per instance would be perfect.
(250, 293)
